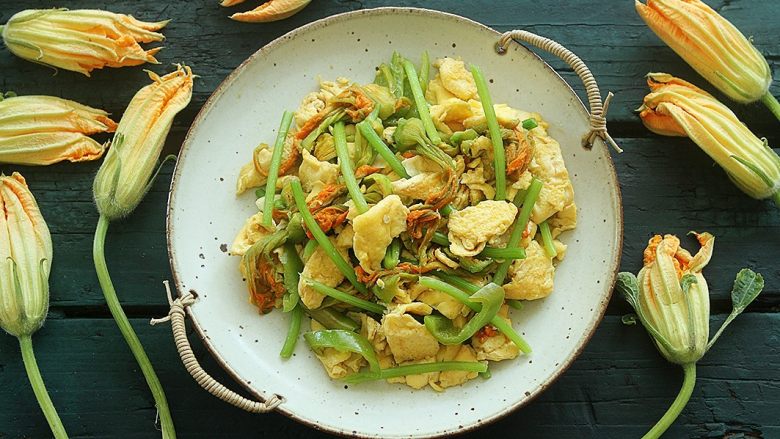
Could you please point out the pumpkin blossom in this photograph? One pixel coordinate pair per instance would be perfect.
(124, 177)
(25, 264)
(81, 40)
(269, 11)
(675, 107)
(41, 130)
(713, 46)
(122, 182)
(671, 299)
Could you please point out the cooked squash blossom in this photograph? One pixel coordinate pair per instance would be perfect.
(41, 130)
(269, 11)
(713, 47)
(124, 177)
(387, 228)
(81, 40)
(678, 108)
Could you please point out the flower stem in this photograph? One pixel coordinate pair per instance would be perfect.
(776, 198)
(677, 406)
(36, 381)
(771, 103)
(98, 254)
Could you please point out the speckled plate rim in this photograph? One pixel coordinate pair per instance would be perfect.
(202, 113)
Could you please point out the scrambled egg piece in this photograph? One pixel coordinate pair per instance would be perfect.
(496, 347)
(376, 228)
(471, 228)
(255, 173)
(426, 179)
(452, 378)
(507, 116)
(408, 339)
(314, 102)
(475, 179)
(372, 331)
(420, 380)
(548, 166)
(321, 268)
(313, 171)
(249, 234)
(564, 220)
(532, 277)
(338, 364)
(436, 93)
(442, 302)
(456, 78)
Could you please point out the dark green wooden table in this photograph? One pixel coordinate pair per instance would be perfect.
(616, 389)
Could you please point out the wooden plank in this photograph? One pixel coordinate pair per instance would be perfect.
(612, 40)
(618, 388)
(668, 185)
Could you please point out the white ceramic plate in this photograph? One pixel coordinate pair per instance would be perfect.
(204, 215)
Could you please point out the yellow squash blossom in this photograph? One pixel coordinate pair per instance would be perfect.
(671, 299)
(713, 46)
(677, 108)
(273, 10)
(81, 40)
(124, 177)
(41, 130)
(25, 264)
(121, 183)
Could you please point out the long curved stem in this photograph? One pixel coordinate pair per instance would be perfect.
(39, 388)
(776, 198)
(677, 406)
(771, 102)
(98, 254)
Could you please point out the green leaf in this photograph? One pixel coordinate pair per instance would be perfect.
(629, 287)
(747, 286)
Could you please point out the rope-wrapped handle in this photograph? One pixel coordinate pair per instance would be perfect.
(598, 109)
(176, 316)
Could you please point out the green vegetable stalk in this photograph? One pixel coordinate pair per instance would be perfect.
(121, 183)
(671, 300)
(490, 298)
(494, 129)
(25, 263)
(346, 168)
(273, 169)
(529, 199)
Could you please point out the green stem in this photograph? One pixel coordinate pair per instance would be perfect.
(677, 406)
(776, 198)
(273, 170)
(36, 381)
(421, 103)
(98, 254)
(340, 140)
(520, 225)
(292, 333)
(771, 103)
(499, 160)
(547, 240)
(382, 149)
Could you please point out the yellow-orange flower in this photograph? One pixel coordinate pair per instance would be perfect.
(711, 45)
(41, 130)
(25, 259)
(124, 177)
(677, 108)
(273, 10)
(81, 40)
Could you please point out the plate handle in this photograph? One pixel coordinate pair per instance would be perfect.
(598, 108)
(176, 316)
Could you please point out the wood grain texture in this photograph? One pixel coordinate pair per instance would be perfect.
(616, 389)
(612, 39)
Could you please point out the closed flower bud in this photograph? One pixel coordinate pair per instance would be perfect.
(671, 297)
(273, 10)
(677, 108)
(81, 40)
(126, 173)
(41, 130)
(711, 45)
(25, 259)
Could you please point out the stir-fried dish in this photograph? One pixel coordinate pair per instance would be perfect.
(403, 219)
